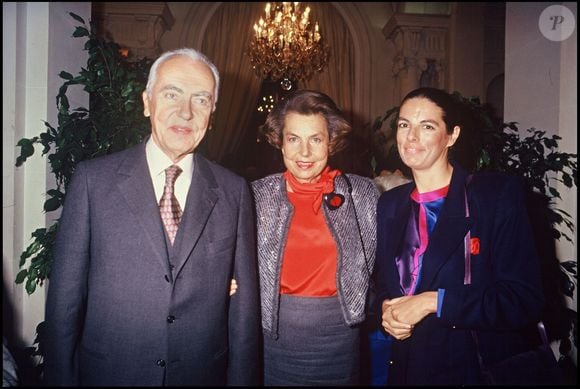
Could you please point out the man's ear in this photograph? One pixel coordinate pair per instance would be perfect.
(210, 125)
(146, 111)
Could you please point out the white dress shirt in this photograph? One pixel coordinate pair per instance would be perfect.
(158, 161)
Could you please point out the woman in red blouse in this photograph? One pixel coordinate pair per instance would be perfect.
(316, 245)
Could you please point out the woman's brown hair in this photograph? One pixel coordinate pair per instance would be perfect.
(308, 102)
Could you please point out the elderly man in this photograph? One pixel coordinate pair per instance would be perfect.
(148, 243)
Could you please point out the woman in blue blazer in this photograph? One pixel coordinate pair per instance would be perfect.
(455, 256)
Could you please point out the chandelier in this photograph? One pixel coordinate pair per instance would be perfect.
(285, 46)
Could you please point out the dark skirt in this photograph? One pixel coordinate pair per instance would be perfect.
(314, 346)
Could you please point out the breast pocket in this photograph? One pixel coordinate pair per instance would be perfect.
(221, 245)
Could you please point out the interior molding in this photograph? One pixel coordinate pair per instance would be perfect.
(201, 14)
(135, 26)
(198, 19)
(421, 51)
(358, 27)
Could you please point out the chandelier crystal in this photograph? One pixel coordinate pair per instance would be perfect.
(286, 46)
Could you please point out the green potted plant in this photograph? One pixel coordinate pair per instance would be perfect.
(113, 121)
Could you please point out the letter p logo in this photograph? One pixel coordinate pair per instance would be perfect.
(557, 20)
(557, 23)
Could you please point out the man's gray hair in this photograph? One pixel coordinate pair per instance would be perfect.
(188, 52)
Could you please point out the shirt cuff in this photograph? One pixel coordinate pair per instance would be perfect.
(440, 295)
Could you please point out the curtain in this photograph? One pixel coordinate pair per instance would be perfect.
(337, 78)
(225, 43)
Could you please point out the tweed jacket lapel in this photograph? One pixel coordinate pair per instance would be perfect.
(134, 183)
(201, 199)
(450, 230)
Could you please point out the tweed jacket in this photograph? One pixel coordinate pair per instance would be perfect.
(354, 265)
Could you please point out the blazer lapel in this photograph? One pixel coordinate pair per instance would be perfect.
(201, 199)
(136, 187)
(450, 230)
(397, 224)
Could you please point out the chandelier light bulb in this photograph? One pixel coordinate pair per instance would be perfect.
(286, 45)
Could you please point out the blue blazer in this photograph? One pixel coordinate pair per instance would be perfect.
(505, 294)
(125, 309)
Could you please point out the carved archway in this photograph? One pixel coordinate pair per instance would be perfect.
(201, 14)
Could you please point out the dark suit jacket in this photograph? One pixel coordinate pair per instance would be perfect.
(125, 309)
(505, 294)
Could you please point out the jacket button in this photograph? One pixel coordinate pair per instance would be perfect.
(160, 363)
(170, 319)
(391, 362)
(171, 266)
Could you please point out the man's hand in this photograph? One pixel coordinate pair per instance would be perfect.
(233, 287)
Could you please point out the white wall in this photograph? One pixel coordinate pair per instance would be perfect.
(37, 45)
(568, 122)
(541, 92)
(540, 87)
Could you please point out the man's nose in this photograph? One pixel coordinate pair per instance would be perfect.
(185, 110)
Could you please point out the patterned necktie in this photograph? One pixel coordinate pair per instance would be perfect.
(169, 206)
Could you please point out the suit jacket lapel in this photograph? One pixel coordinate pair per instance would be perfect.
(134, 183)
(397, 224)
(450, 230)
(201, 198)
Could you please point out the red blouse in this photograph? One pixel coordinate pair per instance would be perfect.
(310, 255)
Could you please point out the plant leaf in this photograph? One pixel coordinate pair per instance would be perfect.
(65, 75)
(77, 17)
(80, 31)
(30, 285)
(52, 204)
(21, 276)
(570, 266)
(26, 150)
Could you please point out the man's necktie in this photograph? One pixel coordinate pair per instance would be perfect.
(169, 206)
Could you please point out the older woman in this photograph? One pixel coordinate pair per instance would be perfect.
(456, 268)
(316, 244)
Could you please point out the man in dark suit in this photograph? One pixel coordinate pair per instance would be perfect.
(139, 289)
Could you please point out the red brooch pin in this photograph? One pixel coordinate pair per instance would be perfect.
(474, 246)
(333, 200)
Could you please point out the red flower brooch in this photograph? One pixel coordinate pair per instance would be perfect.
(474, 246)
(333, 200)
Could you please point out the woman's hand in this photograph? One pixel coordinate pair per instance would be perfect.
(399, 330)
(401, 314)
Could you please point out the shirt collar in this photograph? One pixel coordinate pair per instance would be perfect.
(159, 161)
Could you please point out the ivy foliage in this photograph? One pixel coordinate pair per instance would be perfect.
(113, 121)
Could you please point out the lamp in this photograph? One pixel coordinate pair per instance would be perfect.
(285, 46)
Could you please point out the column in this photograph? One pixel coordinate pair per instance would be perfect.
(137, 27)
(421, 43)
